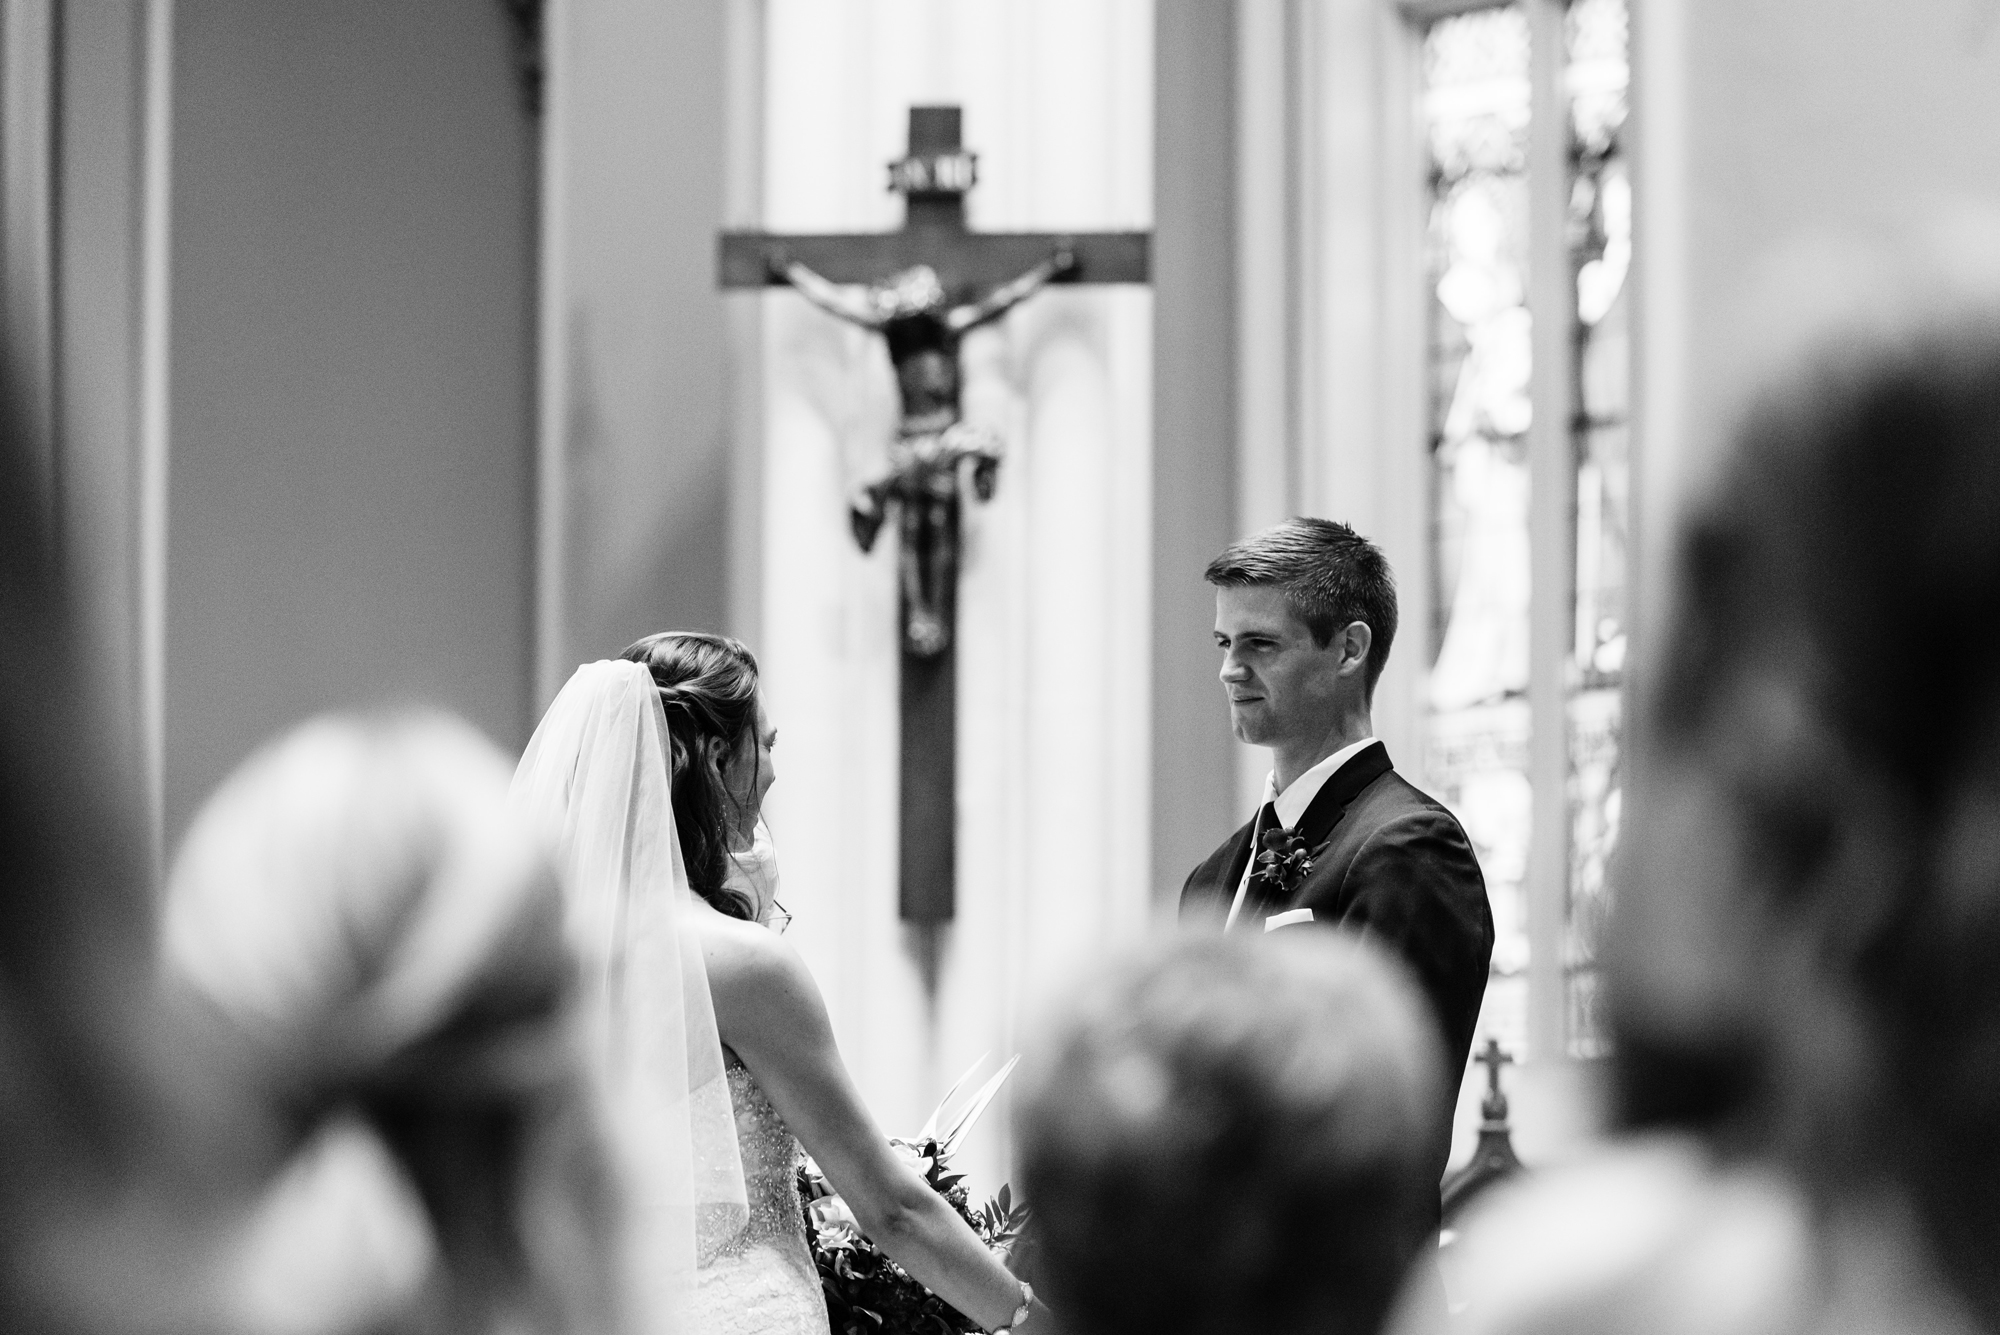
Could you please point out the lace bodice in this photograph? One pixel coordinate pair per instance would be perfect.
(771, 1157)
(762, 1280)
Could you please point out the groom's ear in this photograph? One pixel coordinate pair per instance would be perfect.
(1353, 642)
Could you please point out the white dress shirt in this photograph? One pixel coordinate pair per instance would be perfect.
(1291, 804)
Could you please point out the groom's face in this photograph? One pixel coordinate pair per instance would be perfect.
(1281, 684)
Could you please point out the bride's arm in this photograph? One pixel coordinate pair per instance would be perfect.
(769, 1011)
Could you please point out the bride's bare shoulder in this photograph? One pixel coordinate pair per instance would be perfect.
(751, 968)
(731, 945)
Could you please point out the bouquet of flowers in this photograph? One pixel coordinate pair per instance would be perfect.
(866, 1292)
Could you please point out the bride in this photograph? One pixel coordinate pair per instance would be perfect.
(653, 769)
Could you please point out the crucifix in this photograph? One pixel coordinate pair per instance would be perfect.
(923, 289)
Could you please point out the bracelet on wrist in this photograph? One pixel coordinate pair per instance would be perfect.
(1021, 1312)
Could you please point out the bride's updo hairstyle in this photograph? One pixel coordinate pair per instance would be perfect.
(708, 684)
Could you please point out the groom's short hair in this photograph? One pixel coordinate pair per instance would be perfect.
(1229, 1135)
(1330, 574)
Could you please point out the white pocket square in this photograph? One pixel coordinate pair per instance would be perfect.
(1290, 918)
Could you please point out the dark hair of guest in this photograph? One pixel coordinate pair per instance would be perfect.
(1842, 582)
(1231, 1136)
(708, 686)
(1331, 575)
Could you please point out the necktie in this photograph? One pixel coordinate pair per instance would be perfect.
(1267, 820)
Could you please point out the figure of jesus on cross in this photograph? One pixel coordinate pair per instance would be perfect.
(923, 330)
(923, 289)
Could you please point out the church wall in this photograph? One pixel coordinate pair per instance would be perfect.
(350, 506)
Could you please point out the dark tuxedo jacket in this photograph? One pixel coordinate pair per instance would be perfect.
(1392, 865)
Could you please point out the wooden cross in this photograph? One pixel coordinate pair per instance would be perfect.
(923, 288)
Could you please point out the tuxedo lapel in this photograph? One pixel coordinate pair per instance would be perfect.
(1332, 800)
(1321, 815)
(1215, 881)
(1238, 860)
(1211, 887)
(1258, 901)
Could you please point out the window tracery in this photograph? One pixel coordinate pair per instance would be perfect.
(1477, 101)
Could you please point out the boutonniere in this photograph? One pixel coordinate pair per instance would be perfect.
(1283, 860)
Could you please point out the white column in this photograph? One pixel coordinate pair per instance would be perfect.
(1330, 332)
(86, 313)
(1054, 619)
(28, 113)
(1362, 332)
(1268, 290)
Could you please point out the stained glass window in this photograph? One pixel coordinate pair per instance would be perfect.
(1597, 77)
(1476, 107)
(1477, 103)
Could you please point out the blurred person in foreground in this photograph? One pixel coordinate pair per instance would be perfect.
(379, 943)
(1231, 1134)
(1806, 1006)
(118, 1133)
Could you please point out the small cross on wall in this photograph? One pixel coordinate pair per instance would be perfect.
(1493, 1109)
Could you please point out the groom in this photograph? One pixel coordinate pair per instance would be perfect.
(1304, 614)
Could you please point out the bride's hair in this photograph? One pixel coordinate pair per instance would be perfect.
(708, 684)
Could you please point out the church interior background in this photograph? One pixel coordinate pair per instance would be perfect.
(385, 359)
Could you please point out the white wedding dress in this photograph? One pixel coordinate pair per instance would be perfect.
(761, 1280)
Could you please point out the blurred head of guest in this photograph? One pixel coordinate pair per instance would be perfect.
(376, 937)
(1232, 1135)
(1805, 961)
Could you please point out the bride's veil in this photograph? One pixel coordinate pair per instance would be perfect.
(597, 776)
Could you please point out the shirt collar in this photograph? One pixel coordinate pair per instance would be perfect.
(1292, 803)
